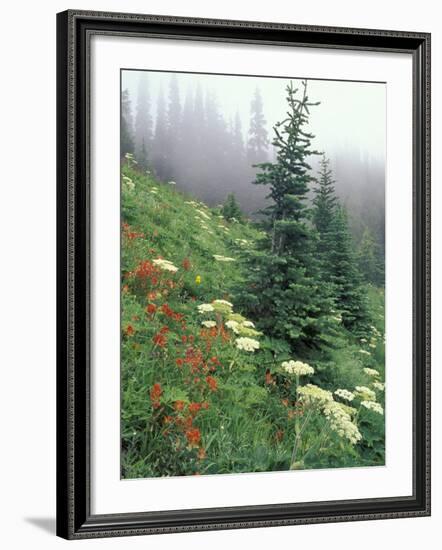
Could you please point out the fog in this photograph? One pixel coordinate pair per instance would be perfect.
(196, 128)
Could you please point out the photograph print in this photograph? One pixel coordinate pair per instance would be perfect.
(252, 274)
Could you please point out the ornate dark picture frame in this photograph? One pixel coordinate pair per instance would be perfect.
(74, 518)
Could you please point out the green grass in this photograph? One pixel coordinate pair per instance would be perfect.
(192, 401)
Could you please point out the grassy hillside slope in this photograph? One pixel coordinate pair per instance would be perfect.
(203, 390)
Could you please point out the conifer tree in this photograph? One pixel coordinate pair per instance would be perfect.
(336, 253)
(143, 159)
(284, 291)
(174, 119)
(189, 127)
(160, 158)
(324, 200)
(143, 122)
(340, 269)
(126, 139)
(231, 209)
(237, 140)
(369, 259)
(258, 142)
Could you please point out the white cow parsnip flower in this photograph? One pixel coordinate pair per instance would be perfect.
(205, 308)
(208, 324)
(297, 368)
(345, 394)
(165, 265)
(373, 406)
(247, 344)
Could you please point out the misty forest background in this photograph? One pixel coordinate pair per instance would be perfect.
(182, 134)
(252, 288)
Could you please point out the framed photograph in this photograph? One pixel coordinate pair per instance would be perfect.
(243, 274)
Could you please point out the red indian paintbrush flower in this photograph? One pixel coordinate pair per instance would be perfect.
(186, 264)
(155, 394)
(159, 340)
(129, 330)
(194, 408)
(193, 436)
(212, 383)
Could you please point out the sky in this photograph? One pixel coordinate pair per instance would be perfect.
(351, 115)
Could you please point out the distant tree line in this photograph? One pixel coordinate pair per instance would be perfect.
(191, 142)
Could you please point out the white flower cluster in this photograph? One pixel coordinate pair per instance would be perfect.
(165, 265)
(337, 414)
(380, 386)
(222, 306)
(341, 422)
(371, 372)
(364, 351)
(242, 242)
(241, 326)
(223, 302)
(220, 258)
(195, 204)
(171, 182)
(233, 325)
(365, 393)
(203, 214)
(130, 158)
(205, 308)
(314, 395)
(208, 324)
(297, 368)
(345, 394)
(128, 184)
(247, 344)
(373, 406)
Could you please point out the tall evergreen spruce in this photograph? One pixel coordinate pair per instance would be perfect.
(325, 199)
(174, 119)
(126, 138)
(370, 259)
(340, 269)
(143, 158)
(284, 290)
(336, 252)
(237, 144)
(160, 145)
(143, 122)
(231, 210)
(258, 142)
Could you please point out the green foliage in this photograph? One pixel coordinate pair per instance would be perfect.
(324, 201)
(335, 252)
(143, 122)
(192, 400)
(283, 288)
(231, 209)
(127, 140)
(340, 269)
(258, 141)
(369, 259)
(142, 158)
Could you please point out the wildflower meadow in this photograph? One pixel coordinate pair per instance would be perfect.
(249, 343)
